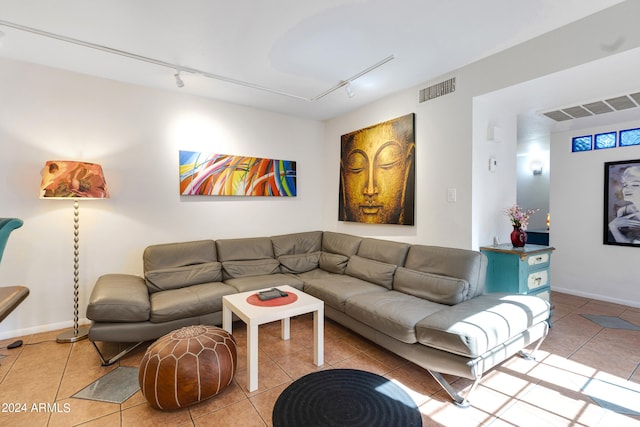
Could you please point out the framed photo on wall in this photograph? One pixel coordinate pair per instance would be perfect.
(622, 203)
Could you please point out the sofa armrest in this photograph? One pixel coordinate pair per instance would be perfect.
(119, 298)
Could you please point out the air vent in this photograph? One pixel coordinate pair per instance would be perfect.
(620, 103)
(577, 111)
(597, 107)
(558, 116)
(438, 89)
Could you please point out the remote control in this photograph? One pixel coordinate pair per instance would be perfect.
(271, 294)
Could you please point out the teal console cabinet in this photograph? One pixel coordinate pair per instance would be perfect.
(519, 270)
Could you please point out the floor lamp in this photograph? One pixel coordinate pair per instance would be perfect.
(64, 179)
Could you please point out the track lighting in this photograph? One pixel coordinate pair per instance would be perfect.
(194, 71)
(349, 90)
(179, 81)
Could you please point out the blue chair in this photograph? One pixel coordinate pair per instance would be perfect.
(7, 225)
(10, 296)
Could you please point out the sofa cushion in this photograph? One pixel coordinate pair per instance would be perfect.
(392, 313)
(384, 250)
(453, 262)
(187, 302)
(475, 326)
(336, 289)
(169, 255)
(245, 284)
(299, 263)
(372, 271)
(339, 243)
(297, 243)
(433, 287)
(244, 249)
(179, 277)
(333, 263)
(256, 267)
(119, 298)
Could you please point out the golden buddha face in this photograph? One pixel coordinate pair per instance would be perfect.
(375, 166)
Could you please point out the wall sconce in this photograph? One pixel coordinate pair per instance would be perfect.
(536, 167)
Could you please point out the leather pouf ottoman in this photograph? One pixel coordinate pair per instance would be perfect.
(187, 366)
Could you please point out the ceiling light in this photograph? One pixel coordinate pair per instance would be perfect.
(349, 90)
(179, 81)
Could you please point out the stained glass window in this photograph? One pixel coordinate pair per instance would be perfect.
(605, 140)
(629, 137)
(581, 143)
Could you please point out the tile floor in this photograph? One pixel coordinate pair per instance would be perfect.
(41, 377)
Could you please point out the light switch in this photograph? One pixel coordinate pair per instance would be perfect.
(493, 164)
(451, 194)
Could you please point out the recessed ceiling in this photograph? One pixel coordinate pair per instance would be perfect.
(303, 48)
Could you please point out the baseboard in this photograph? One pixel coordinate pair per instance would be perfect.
(14, 333)
(598, 297)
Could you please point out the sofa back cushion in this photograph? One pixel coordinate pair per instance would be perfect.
(244, 249)
(252, 267)
(176, 265)
(384, 250)
(333, 263)
(178, 277)
(464, 264)
(297, 243)
(371, 271)
(298, 252)
(299, 263)
(342, 244)
(432, 287)
(244, 257)
(178, 254)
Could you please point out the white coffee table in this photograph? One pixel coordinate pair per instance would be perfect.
(255, 316)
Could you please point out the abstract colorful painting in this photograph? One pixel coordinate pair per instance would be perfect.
(210, 174)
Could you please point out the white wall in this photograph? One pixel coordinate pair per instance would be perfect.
(582, 264)
(452, 151)
(135, 133)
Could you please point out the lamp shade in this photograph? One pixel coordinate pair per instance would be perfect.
(67, 179)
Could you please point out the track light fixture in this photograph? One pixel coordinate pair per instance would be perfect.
(349, 90)
(194, 71)
(179, 81)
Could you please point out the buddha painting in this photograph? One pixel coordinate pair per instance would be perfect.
(377, 173)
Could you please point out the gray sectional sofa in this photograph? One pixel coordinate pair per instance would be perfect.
(424, 303)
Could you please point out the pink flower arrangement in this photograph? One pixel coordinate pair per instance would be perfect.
(520, 218)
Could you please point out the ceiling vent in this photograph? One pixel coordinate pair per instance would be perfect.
(620, 103)
(438, 89)
(598, 107)
(577, 111)
(609, 105)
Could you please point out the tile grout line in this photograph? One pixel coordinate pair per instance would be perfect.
(64, 371)
(602, 328)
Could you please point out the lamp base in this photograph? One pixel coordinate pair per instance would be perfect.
(69, 336)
